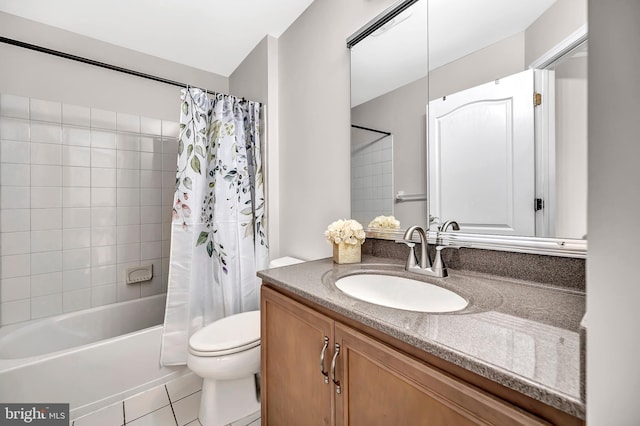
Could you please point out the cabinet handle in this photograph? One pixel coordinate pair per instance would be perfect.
(333, 369)
(324, 350)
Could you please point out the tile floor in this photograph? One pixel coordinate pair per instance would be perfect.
(175, 403)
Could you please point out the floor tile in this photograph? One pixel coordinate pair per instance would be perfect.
(194, 423)
(184, 386)
(251, 419)
(145, 402)
(161, 417)
(111, 415)
(187, 408)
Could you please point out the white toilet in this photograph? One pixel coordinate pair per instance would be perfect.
(226, 354)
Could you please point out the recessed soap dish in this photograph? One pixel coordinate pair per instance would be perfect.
(139, 273)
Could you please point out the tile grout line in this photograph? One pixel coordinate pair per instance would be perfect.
(124, 414)
(171, 404)
(186, 396)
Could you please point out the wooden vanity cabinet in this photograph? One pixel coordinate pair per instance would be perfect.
(375, 384)
(294, 391)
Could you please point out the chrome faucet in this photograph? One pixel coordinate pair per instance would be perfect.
(412, 261)
(424, 267)
(443, 228)
(454, 225)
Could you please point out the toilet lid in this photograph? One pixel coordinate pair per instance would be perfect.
(231, 334)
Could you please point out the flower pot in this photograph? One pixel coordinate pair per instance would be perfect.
(346, 253)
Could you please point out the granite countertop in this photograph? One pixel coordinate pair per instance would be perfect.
(519, 334)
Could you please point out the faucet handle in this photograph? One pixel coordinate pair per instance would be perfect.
(439, 267)
(411, 260)
(438, 263)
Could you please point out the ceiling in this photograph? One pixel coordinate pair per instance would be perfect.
(216, 35)
(212, 35)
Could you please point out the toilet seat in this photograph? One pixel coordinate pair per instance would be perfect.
(229, 335)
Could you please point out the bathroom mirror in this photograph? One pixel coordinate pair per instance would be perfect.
(388, 98)
(470, 44)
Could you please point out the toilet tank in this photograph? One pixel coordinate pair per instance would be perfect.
(284, 261)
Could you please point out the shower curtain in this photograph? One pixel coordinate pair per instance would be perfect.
(218, 237)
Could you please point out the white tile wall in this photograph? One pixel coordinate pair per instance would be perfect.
(15, 174)
(77, 218)
(15, 243)
(46, 110)
(73, 155)
(76, 136)
(45, 241)
(14, 129)
(44, 153)
(372, 181)
(84, 193)
(15, 288)
(103, 119)
(14, 152)
(14, 106)
(46, 132)
(78, 115)
(46, 284)
(14, 220)
(15, 196)
(45, 197)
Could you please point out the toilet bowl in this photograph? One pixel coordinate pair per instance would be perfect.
(226, 354)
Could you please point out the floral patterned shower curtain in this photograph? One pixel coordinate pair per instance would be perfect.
(218, 237)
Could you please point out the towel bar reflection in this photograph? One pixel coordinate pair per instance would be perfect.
(402, 197)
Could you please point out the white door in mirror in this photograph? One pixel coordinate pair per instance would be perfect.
(481, 157)
(401, 293)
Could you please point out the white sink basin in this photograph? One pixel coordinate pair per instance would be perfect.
(401, 293)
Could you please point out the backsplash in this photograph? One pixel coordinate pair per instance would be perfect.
(556, 271)
(85, 193)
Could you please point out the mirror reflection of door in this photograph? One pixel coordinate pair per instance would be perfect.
(482, 148)
(481, 157)
(563, 143)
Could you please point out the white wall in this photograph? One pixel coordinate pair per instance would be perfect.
(33, 74)
(495, 61)
(314, 122)
(560, 20)
(613, 283)
(256, 78)
(249, 79)
(85, 193)
(571, 103)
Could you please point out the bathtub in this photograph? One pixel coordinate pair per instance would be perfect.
(89, 359)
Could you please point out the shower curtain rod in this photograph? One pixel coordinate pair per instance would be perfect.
(96, 63)
(371, 130)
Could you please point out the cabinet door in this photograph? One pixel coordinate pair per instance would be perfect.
(294, 391)
(380, 386)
